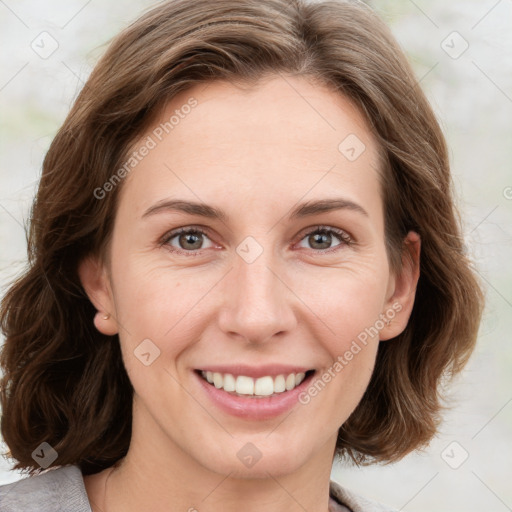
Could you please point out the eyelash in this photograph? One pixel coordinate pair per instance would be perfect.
(344, 237)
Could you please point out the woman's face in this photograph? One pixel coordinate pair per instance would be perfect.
(251, 293)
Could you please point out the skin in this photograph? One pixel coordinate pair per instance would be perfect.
(255, 153)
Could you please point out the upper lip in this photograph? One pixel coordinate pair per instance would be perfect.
(272, 370)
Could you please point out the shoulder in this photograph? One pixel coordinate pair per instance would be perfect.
(354, 502)
(56, 490)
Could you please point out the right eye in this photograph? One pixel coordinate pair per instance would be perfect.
(188, 240)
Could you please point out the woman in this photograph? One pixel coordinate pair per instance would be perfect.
(245, 261)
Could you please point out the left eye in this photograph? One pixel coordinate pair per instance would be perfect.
(323, 236)
(189, 239)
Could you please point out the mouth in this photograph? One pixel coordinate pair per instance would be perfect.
(266, 386)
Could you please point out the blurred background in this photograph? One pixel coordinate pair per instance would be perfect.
(461, 52)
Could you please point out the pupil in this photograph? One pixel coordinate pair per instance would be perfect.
(188, 237)
(318, 239)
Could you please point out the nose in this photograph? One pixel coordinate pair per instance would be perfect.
(258, 303)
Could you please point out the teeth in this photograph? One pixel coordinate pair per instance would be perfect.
(264, 386)
(218, 381)
(279, 384)
(229, 382)
(244, 385)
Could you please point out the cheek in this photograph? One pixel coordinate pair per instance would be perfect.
(164, 305)
(349, 306)
(351, 342)
(347, 300)
(155, 300)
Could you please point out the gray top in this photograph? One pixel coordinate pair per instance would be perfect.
(62, 489)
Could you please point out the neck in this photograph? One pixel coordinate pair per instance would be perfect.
(158, 475)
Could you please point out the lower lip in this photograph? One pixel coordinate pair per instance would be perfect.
(254, 408)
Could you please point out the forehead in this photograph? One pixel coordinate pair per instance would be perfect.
(278, 111)
(284, 136)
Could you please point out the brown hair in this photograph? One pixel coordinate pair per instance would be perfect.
(65, 383)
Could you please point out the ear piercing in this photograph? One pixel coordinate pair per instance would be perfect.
(106, 317)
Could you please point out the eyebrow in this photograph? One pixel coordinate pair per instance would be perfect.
(204, 210)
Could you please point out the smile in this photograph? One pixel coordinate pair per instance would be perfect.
(254, 394)
(243, 385)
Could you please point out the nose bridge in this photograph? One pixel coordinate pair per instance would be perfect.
(257, 302)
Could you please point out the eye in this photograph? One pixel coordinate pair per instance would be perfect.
(321, 238)
(188, 240)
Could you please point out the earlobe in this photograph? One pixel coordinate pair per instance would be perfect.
(105, 323)
(401, 301)
(96, 284)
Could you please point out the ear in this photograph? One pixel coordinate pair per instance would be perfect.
(96, 283)
(402, 289)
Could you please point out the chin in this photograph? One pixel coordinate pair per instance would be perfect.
(255, 458)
